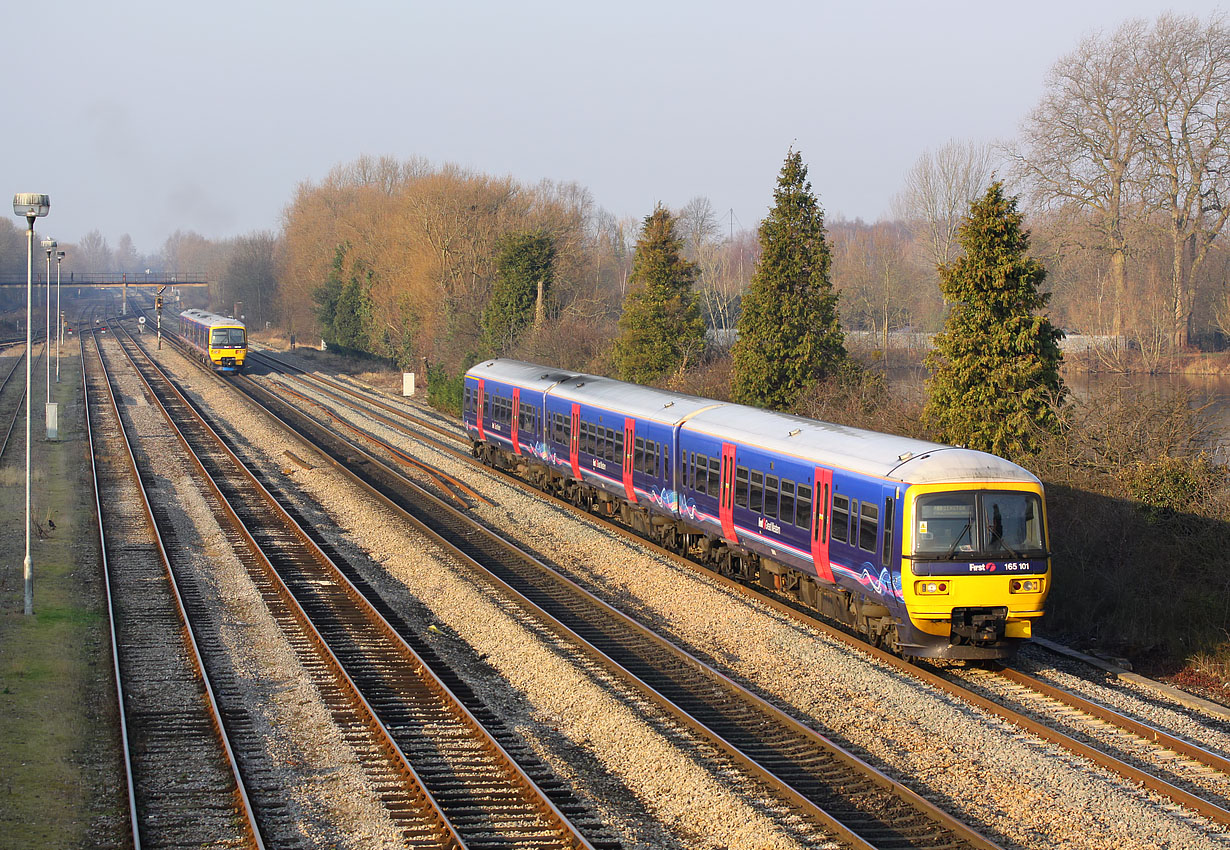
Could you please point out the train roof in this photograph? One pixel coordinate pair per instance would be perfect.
(889, 456)
(528, 375)
(663, 406)
(643, 402)
(213, 320)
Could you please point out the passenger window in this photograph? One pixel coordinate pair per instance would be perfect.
(770, 496)
(702, 474)
(787, 511)
(638, 458)
(841, 518)
(803, 509)
(715, 477)
(741, 486)
(757, 503)
(868, 527)
(619, 447)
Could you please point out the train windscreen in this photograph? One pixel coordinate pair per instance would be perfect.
(227, 338)
(979, 524)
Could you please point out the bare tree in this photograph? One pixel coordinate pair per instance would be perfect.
(698, 227)
(1187, 146)
(126, 257)
(1081, 148)
(937, 194)
(871, 271)
(251, 277)
(92, 253)
(12, 249)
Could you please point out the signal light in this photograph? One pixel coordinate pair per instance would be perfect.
(931, 588)
(1025, 585)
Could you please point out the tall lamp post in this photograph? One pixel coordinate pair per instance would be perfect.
(50, 246)
(31, 206)
(59, 315)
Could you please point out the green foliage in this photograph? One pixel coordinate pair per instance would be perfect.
(661, 329)
(995, 368)
(345, 305)
(1166, 484)
(523, 260)
(789, 336)
(444, 390)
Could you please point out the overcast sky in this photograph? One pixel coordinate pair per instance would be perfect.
(150, 117)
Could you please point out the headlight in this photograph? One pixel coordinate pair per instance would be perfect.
(931, 588)
(1025, 585)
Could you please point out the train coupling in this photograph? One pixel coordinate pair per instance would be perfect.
(979, 625)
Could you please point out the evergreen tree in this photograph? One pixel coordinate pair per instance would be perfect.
(524, 261)
(344, 305)
(995, 368)
(661, 329)
(789, 336)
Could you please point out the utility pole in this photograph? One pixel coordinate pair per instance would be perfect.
(158, 314)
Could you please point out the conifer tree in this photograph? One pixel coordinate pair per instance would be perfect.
(661, 330)
(789, 336)
(995, 368)
(525, 262)
(344, 304)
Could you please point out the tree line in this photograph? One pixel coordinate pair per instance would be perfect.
(1120, 169)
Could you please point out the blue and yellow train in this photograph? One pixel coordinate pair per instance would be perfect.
(219, 341)
(930, 550)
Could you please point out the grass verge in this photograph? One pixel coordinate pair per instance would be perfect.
(60, 779)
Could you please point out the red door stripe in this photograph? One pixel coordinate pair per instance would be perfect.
(821, 515)
(482, 390)
(574, 442)
(629, 440)
(726, 493)
(516, 416)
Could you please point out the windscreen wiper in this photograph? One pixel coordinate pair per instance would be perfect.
(964, 531)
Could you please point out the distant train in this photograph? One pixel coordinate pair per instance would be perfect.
(219, 341)
(929, 550)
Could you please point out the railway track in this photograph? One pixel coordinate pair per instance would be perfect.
(12, 402)
(184, 786)
(809, 776)
(1167, 764)
(450, 782)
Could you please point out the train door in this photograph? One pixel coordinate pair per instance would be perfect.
(574, 442)
(629, 451)
(516, 420)
(820, 523)
(726, 493)
(890, 544)
(478, 414)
